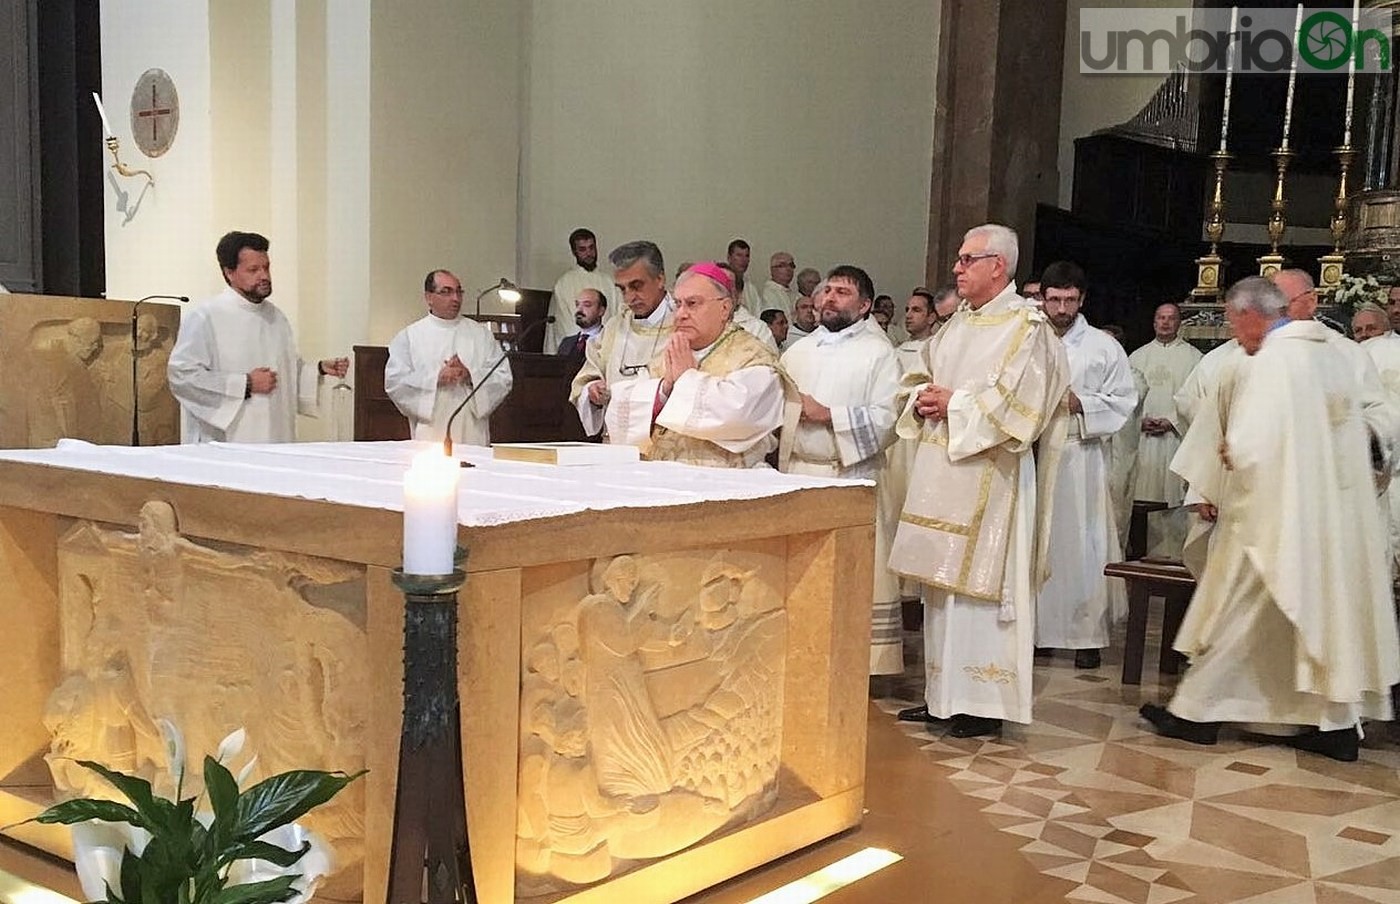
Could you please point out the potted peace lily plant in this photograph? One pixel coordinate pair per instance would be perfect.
(224, 846)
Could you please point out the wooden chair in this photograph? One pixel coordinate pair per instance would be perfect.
(1146, 578)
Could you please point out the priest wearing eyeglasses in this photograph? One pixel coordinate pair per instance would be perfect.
(629, 341)
(974, 526)
(436, 362)
(713, 394)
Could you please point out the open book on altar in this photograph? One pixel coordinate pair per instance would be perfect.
(568, 453)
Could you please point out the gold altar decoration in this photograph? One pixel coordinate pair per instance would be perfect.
(1271, 263)
(1332, 266)
(1209, 268)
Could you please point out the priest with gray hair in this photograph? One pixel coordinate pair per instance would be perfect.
(1292, 624)
(992, 384)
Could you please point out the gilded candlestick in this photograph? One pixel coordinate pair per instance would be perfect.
(1272, 262)
(1208, 268)
(1331, 266)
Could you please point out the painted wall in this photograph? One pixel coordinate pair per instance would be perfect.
(161, 239)
(804, 127)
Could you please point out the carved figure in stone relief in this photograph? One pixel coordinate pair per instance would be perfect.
(158, 410)
(66, 401)
(651, 716)
(630, 753)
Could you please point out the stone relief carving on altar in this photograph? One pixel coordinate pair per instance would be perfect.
(147, 617)
(651, 713)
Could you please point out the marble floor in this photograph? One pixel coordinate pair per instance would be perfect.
(1086, 804)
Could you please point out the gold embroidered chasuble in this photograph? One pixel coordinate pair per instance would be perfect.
(1009, 374)
(691, 439)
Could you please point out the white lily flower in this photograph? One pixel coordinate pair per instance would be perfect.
(247, 770)
(174, 749)
(231, 746)
(97, 854)
(317, 863)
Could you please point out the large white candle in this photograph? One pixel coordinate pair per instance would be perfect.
(1292, 81)
(106, 124)
(1229, 75)
(430, 513)
(1351, 70)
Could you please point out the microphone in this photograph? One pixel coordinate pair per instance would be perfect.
(447, 435)
(135, 403)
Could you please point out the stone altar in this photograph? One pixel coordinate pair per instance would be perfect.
(662, 668)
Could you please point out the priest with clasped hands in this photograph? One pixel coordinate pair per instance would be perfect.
(234, 368)
(713, 394)
(441, 359)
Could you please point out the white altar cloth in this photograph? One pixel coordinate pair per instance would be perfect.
(371, 475)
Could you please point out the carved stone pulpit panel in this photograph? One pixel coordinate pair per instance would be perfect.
(651, 710)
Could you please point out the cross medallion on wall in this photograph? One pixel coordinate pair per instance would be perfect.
(155, 112)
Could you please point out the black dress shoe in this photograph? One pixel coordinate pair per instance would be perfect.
(964, 726)
(1087, 659)
(917, 714)
(1172, 726)
(1343, 744)
(1044, 652)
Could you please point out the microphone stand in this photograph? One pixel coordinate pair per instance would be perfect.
(135, 401)
(520, 339)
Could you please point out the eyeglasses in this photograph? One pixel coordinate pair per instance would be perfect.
(448, 292)
(631, 370)
(967, 260)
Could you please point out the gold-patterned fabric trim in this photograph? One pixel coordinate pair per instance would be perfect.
(984, 493)
(936, 437)
(1017, 405)
(991, 673)
(947, 527)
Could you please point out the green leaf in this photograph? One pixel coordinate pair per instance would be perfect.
(111, 895)
(130, 877)
(274, 854)
(268, 892)
(283, 798)
(82, 810)
(223, 796)
(156, 811)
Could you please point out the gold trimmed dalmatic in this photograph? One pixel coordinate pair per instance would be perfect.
(971, 531)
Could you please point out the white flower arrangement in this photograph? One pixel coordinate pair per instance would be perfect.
(1354, 291)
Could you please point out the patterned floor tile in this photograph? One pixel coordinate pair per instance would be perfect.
(1096, 798)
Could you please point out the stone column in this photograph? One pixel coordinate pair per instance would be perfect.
(995, 138)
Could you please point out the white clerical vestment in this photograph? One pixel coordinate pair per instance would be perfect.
(1292, 621)
(561, 303)
(1164, 367)
(626, 348)
(752, 297)
(417, 354)
(1384, 351)
(854, 373)
(971, 530)
(721, 413)
(777, 296)
(1077, 607)
(899, 457)
(755, 328)
(220, 341)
